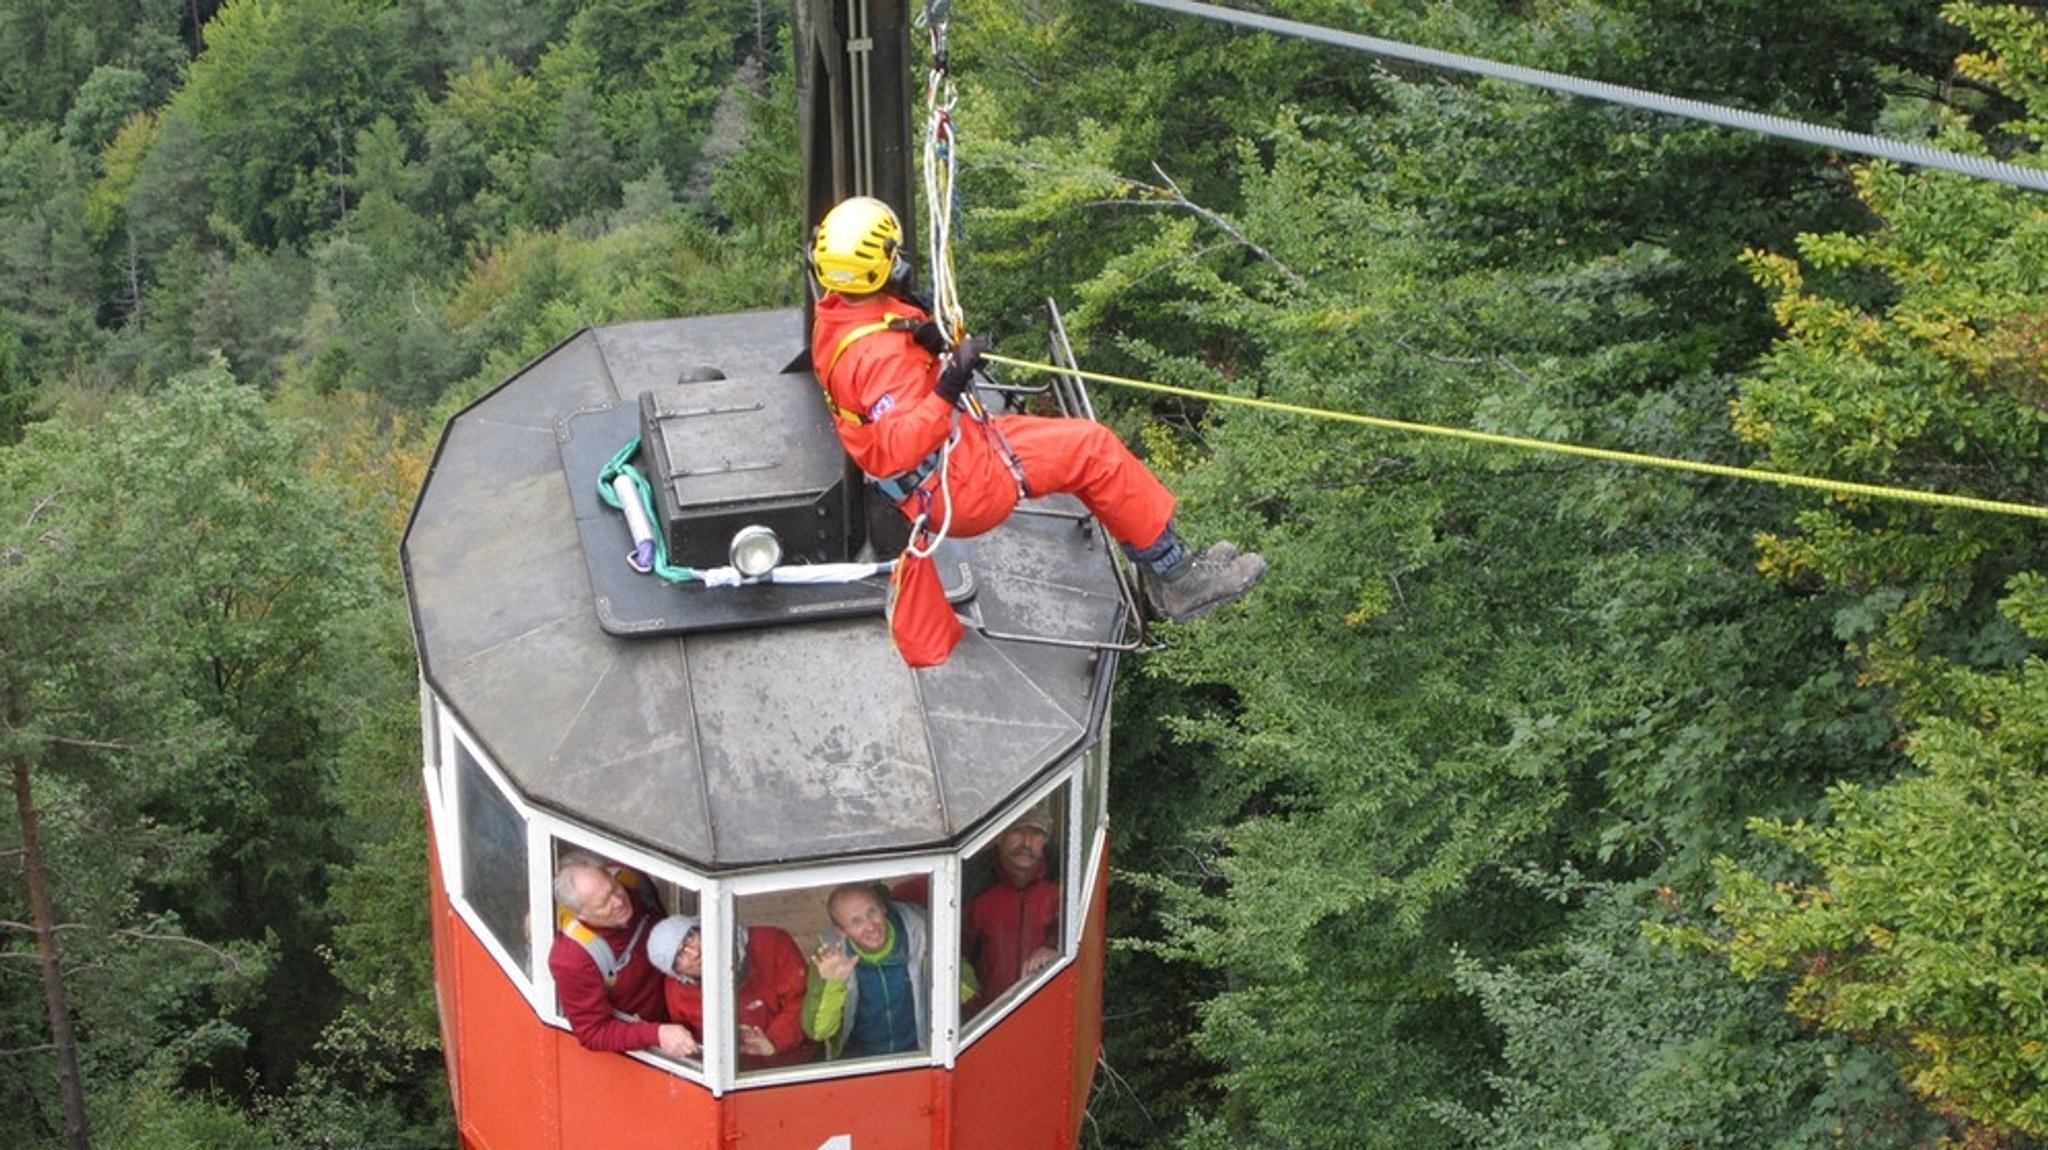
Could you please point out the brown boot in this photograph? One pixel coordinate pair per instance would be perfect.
(1213, 576)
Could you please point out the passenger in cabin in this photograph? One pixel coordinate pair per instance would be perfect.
(894, 386)
(1011, 931)
(609, 992)
(870, 981)
(771, 976)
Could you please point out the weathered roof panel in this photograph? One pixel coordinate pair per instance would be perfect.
(745, 747)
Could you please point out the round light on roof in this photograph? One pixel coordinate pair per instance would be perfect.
(755, 551)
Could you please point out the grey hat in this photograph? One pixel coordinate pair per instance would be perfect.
(666, 939)
(1040, 816)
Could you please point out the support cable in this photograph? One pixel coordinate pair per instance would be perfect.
(1902, 151)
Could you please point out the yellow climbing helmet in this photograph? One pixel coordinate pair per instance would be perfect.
(854, 248)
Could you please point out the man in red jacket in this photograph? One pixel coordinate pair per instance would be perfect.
(895, 389)
(770, 1002)
(1012, 930)
(609, 992)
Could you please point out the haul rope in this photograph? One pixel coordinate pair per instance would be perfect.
(1901, 151)
(941, 166)
(1755, 475)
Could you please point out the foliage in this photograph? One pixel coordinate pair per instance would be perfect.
(1610, 1040)
(278, 97)
(1914, 917)
(1925, 926)
(1460, 662)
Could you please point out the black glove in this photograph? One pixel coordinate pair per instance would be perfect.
(966, 357)
(929, 337)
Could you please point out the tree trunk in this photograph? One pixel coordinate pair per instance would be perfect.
(77, 1131)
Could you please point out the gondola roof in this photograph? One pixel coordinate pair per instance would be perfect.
(784, 732)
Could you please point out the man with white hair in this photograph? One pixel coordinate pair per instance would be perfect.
(608, 991)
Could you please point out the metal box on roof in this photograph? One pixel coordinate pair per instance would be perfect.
(728, 453)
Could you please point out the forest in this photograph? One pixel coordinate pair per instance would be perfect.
(1531, 801)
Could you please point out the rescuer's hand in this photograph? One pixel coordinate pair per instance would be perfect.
(960, 368)
(676, 1041)
(929, 337)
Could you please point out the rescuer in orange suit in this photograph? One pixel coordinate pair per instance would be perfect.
(609, 992)
(769, 1005)
(895, 390)
(1012, 930)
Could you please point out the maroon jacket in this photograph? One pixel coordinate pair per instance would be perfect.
(590, 1006)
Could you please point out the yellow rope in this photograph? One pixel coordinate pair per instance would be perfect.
(1838, 487)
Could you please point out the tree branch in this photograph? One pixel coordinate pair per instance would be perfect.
(1175, 196)
(226, 957)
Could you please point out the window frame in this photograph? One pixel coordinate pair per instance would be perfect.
(550, 830)
(1070, 901)
(1081, 780)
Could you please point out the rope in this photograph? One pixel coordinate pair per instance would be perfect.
(1754, 475)
(1780, 126)
(621, 464)
(941, 166)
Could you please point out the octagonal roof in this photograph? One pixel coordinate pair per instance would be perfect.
(802, 738)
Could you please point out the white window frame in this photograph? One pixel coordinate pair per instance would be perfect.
(717, 906)
(1071, 779)
(447, 815)
(942, 1043)
(544, 829)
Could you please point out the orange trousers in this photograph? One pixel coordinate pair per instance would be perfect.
(1077, 457)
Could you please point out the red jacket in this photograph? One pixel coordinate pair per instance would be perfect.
(588, 1004)
(882, 388)
(772, 998)
(889, 418)
(1004, 924)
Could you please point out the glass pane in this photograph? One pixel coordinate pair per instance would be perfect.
(771, 970)
(1011, 926)
(1095, 789)
(617, 950)
(869, 955)
(493, 858)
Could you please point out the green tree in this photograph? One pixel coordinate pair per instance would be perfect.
(278, 97)
(102, 731)
(1923, 929)
(1612, 1040)
(105, 101)
(52, 48)
(1463, 661)
(1909, 913)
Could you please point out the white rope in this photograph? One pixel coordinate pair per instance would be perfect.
(941, 165)
(917, 526)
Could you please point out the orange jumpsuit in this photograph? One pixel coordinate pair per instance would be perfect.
(881, 388)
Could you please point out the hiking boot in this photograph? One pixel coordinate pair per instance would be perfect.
(1215, 575)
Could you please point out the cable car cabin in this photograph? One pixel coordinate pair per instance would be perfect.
(744, 750)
